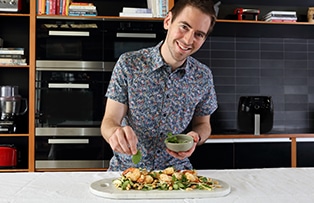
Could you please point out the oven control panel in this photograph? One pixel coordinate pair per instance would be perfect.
(10, 5)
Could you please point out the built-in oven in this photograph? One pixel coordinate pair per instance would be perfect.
(74, 60)
(69, 39)
(71, 81)
(70, 105)
(128, 35)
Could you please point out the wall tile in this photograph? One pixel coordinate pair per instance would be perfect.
(282, 68)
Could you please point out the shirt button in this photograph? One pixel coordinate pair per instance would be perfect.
(158, 151)
(167, 96)
(164, 115)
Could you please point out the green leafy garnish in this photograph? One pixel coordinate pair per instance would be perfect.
(171, 138)
(174, 139)
(136, 158)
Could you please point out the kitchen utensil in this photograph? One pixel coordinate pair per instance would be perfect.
(8, 156)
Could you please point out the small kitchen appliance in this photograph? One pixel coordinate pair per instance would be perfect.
(11, 5)
(10, 108)
(8, 156)
(255, 114)
(244, 13)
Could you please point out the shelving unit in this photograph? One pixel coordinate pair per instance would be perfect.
(27, 22)
(17, 31)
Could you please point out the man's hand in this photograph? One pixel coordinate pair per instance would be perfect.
(186, 154)
(124, 140)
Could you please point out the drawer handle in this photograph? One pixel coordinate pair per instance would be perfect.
(68, 141)
(68, 33)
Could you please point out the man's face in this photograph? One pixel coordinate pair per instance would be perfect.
(185, 35)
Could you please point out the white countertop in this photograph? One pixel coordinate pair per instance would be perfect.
(247, 185)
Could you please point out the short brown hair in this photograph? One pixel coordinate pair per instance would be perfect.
(206, 6)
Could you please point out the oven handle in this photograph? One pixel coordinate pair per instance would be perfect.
(68, 33)
(68, 141)
(136, 35)
(68, 85)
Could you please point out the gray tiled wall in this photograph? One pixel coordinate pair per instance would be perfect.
(282, 68)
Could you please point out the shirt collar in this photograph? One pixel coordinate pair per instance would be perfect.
(159, 62)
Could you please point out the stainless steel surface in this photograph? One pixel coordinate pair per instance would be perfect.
(68, 85)
(257, 124)
(68, 141)
(72, 164)
(46, 131)
(136, 35)
(68, 33)
(48, 65)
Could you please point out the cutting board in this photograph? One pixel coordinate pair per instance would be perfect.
(105, 188)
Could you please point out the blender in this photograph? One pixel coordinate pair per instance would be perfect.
(10, 108)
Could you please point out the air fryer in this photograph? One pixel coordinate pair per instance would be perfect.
(255, 114)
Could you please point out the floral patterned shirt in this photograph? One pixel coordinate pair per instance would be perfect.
(159, 101)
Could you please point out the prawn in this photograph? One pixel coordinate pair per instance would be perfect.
(132, 173)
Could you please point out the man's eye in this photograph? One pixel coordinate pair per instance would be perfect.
(184, 27)
(200, 35)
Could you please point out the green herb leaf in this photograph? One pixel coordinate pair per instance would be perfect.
(136, 158)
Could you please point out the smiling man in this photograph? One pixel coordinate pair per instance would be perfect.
(160, 90)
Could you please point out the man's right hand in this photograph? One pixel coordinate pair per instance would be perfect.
(124, 140)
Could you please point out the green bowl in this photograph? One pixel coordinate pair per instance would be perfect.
(184, 143)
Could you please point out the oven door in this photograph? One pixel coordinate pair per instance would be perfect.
(70, 98)
(124, 36)
(69, 40)
(72, 152)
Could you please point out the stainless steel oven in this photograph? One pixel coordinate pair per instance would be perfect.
(74, 60)
(70, 105)
(128, 35)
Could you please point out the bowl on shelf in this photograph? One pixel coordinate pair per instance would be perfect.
(179, 142)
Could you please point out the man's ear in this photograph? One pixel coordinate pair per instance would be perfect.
(167, 20)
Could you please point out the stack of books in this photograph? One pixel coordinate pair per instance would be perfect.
(281, 16)
(136, 12)
(159, 7)
(12, 56)
(155, 8)
(82, 9)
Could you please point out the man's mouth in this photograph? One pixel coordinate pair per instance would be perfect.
(184, 48)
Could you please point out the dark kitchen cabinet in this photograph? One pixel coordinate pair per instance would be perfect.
(262, 155)
(213, 156)
(305, 154)
(242, 155)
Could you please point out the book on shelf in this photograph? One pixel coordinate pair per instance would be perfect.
(159, 7)
(136, 10)
(14, 56)
(293, 13)
(142, 15)
(278, 20)
(8, 50)
(82, 13)
(53, 7)
(12, 61)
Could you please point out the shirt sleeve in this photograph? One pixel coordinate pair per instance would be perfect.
(117, 88)
(208, 104)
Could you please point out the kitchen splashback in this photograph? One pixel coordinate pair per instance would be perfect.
(280, 67)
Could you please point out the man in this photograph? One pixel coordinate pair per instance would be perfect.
(162, 89)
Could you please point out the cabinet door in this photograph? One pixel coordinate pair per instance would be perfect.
(20, 143)
(262, 155)
(305, 154)
(213, 156)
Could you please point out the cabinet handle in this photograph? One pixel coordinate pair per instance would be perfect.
(68, 33)
(68, 85)
(136, 35)
(68, 141)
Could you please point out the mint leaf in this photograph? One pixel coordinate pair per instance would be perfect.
(136, 158)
